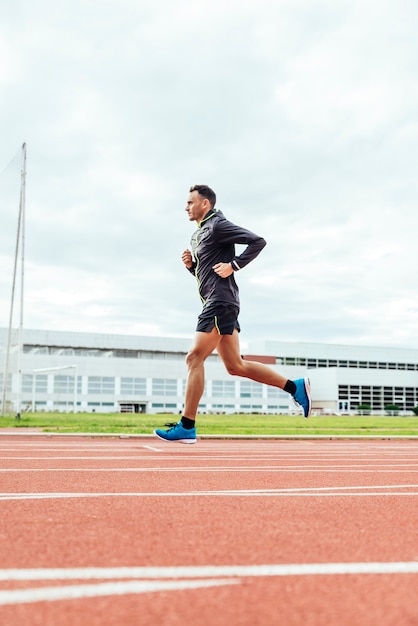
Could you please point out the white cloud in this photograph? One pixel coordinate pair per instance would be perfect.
(301, 115)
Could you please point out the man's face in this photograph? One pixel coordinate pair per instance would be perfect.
(197, 206)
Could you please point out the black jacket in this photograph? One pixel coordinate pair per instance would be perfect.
(214, 242)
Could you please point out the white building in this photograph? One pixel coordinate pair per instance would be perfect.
(342, 376)
(147, 374)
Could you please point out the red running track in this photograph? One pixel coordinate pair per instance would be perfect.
(109, 531)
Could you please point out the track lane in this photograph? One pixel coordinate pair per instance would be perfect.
(237, 505)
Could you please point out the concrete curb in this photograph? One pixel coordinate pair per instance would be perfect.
(39, 433)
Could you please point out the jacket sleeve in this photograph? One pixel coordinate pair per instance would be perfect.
(230, 233)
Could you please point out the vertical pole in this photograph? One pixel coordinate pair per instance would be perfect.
(22, 281)
(9, 335)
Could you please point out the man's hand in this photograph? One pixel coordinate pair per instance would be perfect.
(223, 269)
(187, 258)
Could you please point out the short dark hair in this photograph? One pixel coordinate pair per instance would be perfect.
(206, 192)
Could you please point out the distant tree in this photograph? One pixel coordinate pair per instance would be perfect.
(364, 409)
(392, 409)
(415, 410)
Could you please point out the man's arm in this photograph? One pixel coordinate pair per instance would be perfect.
(187, 259)
(230, 233)
(223, 269)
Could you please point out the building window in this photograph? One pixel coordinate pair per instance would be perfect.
(41, 383)
(276, 392)
(9, 382)
(378, 397)
(290, 360)
(133, 386)
(251, 389)
(27, 382)
(222, 388)
(63, 384)
(164, 387)
(251, 407)
(101, 385)
(225, 407)
(165, 405)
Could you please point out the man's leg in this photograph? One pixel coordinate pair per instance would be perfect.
(184, 431)
(228, 350)
(203, 346)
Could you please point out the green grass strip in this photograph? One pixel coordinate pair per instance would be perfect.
(259, 425)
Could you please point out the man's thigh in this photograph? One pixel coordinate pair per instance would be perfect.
(204, 344)
(229, 350)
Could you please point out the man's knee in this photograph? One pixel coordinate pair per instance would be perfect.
(194, 357)
(235, 368)
(189, 358)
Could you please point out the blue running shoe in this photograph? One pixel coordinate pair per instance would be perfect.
(177, 432)
(302, 395)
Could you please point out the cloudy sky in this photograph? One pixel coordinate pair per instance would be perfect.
(301, 114)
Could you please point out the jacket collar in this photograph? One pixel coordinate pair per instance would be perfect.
(207, 217)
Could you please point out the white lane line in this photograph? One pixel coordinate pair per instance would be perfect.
(384, 490)
(346, 469)
(122, 457)
(74, 592)
(259, 462)
(84, 458)
(151, 454)
(209, 571)
(257, 453)
(194, 577)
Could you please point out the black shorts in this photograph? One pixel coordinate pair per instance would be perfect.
(220, 315)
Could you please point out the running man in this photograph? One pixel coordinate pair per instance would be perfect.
(212, 260)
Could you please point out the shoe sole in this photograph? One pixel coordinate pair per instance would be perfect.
(308, 393)
(175, 440)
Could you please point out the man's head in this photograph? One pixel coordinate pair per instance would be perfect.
(201, 200)
(205, 192)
